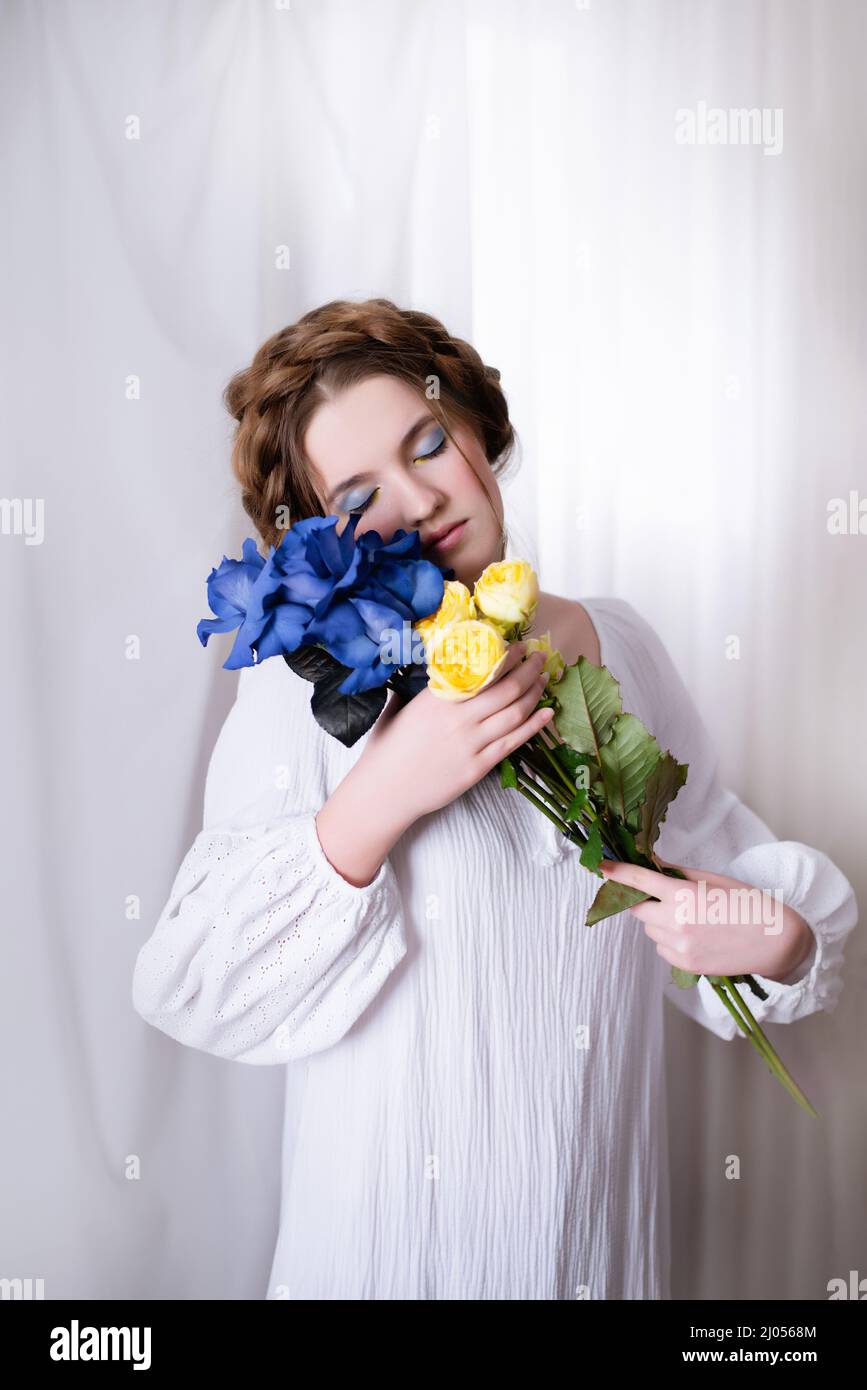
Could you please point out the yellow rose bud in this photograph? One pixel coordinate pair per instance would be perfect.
(507, 592)
(457, 602)
(464, 657)
(554, 662)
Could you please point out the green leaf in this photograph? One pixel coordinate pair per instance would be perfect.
(574, 764)
(508, 776)
(576, 805)
(613, 898)
(684, 979)
(626, 840)
(589, 699)
(591, 854)
(747, 980)
(567, 756)
(627, 761)
(665, 782)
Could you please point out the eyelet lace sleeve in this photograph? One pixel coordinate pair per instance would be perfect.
(708, 827)
(263, 952)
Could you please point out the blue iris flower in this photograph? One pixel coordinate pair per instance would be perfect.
(318, 588)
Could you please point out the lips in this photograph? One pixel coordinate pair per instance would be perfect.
(446, 538)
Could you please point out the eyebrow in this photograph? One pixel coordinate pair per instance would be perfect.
(360, 477)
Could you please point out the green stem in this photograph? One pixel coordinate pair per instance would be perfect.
(553, 805)
(538, 742)
(568, 828)
(595, 817)
(732, 1001)
(524, 789)
(751, 1028)
(543, 783)
(545, 777)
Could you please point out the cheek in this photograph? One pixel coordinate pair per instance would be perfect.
(466, 487)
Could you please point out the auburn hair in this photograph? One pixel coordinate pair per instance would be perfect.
(331, 348)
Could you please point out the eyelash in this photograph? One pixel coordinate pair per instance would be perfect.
(357, 511)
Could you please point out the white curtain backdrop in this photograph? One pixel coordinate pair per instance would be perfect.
(681, 334)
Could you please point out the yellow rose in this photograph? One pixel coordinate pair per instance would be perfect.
(457, 603)
(464, 657)
(554, 663)
(506, 592)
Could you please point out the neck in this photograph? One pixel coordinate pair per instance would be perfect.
(544, 616)
(572, 632)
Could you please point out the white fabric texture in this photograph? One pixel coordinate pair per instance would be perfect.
(446, 1136)
(680, 332)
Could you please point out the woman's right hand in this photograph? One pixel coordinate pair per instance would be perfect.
(431, 750)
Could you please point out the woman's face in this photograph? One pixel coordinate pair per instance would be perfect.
(376, 450)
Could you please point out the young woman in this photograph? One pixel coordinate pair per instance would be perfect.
(474, 1080)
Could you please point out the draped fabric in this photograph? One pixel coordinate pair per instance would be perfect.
(679, 325)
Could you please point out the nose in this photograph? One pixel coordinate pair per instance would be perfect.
(419, 500)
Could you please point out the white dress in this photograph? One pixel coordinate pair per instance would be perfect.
(475, 1098)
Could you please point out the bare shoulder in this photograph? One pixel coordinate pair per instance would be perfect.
(570, 625)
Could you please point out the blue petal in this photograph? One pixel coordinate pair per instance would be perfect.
(353, 651)
(291, 624)
(241, 653)
(365, 678)
(208, 626)
(341, 621)
(380, 593)
(270, 642)
(303, 586)
(377, 617)
(230, 586)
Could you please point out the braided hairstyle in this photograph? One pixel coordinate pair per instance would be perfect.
(327, 350)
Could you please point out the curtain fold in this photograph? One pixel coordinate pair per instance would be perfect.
(680, 332)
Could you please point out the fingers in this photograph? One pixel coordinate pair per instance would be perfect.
(504, 744)
(634, 876)
(514, 680)
(505, 731)
(514, 662)
(514, 710)
(690, 873)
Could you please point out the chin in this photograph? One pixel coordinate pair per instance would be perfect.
(468, 571)
(468, 566)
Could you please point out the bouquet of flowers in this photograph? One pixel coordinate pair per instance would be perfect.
(357, 616)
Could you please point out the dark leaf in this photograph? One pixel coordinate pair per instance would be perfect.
(612, 898)
(345, 717)
(409, 680)
(662, 787)
(313, 663)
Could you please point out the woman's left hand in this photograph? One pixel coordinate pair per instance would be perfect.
(710, 924)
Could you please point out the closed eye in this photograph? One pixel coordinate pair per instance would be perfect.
(362, 506)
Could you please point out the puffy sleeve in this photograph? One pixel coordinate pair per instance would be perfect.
(263, 952)
(708, 827)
